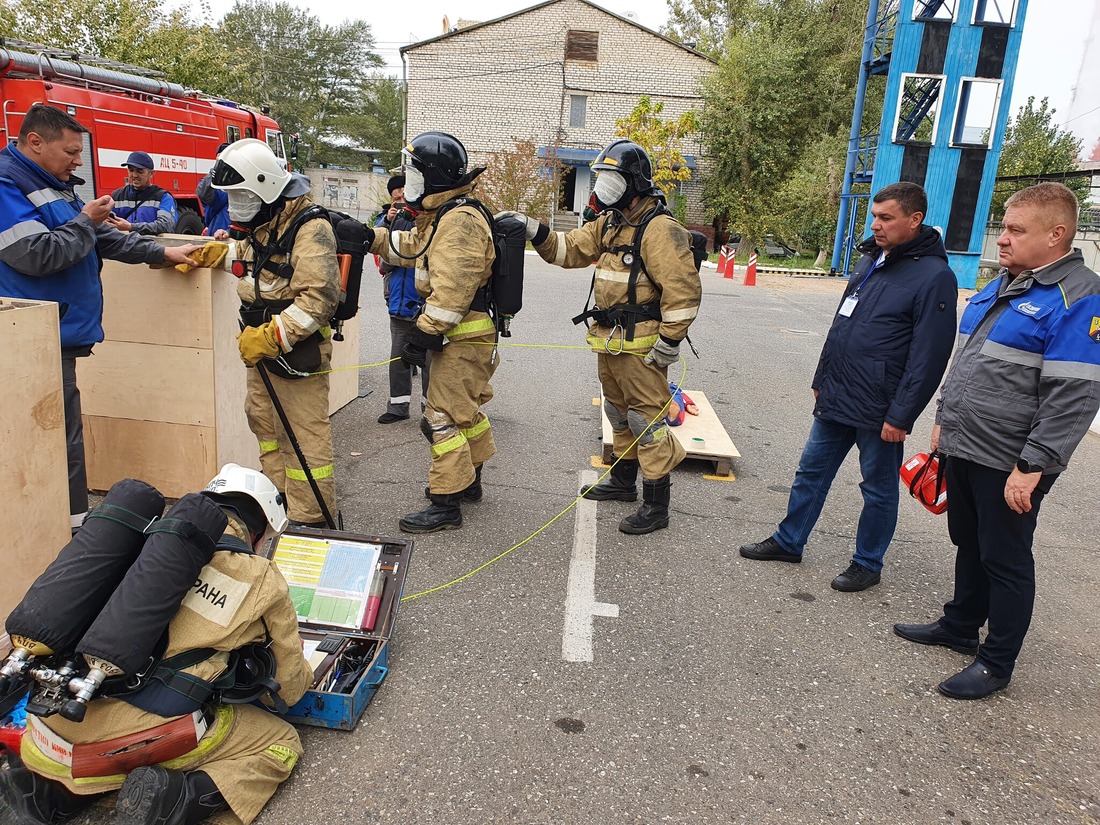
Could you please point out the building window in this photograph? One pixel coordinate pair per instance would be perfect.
(578, 109)
(582, 45)
(918, 108)
(976, 113)
(943, 10)
(995, 12)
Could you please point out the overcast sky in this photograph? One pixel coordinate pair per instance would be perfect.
(1050, 57)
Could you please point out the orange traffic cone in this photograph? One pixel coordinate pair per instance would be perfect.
(750, 272)
(722, 259)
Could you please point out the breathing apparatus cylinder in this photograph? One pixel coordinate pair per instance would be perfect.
(64, 601)
(124, 636)
(507, 283)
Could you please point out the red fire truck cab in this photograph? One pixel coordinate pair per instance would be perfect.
(127, 109)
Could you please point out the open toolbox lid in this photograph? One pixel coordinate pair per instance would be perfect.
(334, 576)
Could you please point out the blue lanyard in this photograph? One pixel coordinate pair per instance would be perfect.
(870, 272)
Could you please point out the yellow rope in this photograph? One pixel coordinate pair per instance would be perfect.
(573, 504)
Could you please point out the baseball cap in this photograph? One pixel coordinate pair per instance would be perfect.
(139, 159)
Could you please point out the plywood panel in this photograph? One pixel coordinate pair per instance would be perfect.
(34, 491)
(148, 382)
(235, 441)
(157, 306)
(175, 458)
(343, 385)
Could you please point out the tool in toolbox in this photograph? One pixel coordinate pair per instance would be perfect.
(347, 604)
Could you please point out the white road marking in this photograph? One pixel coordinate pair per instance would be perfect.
(580, 597)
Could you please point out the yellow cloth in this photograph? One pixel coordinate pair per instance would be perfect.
(211, 255)
(259, 342)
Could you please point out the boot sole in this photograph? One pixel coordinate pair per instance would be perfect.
(137, 798)
(420, 528)
(641, 531)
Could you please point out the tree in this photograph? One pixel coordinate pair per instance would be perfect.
(373, 121)
(663, 140)
(1034, 145)
(807, 205)
(704, 23)
(519, 180)
(310, 74)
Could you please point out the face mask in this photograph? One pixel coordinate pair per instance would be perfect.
(609, 189)
(243, 205)
(414, 185)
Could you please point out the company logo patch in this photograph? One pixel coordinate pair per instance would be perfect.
(1094, 330)
(1028, 308)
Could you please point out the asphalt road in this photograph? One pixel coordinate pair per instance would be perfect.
(724, 690)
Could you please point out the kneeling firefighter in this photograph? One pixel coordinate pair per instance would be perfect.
(646, 292)
(289, 289)
(171, 735)
(452, 246)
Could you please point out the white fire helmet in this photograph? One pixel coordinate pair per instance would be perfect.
(234, 481)
(250, 165)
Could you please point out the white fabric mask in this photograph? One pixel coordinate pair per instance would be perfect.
(414, 184)
(243, 205)
(609, 188)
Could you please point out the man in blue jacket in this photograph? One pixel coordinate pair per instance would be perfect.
(399, 289)
(50, 248)
(882, 361)
(1022, 391)
(140, 206)
(215, 203)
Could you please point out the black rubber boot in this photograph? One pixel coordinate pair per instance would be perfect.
(653, 514)
(158, 796)
(620, 485)
(471, 493)
(29, 799)
(444, 513)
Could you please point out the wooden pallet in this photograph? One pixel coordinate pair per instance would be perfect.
(715, 445)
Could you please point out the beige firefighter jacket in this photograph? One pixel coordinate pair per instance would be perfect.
(666, 252)
(315, 286)
(457, 262)
(227, 607)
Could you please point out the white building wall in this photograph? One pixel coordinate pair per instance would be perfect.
(509, 80)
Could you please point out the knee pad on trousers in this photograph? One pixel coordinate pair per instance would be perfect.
(615, 416)
(645, 432)
(426, 429)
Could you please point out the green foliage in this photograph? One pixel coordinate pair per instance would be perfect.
(1035, 145)
(806, 206)
(705, 23)
(662, 139)
(785, 80)
(520, 181)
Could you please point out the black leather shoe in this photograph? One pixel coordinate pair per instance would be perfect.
(769, 550)
(936, 634)
(158, 796)
(973, 682)
(855, 578)
(389, 418)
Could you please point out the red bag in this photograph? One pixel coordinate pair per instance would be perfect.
(923, 474)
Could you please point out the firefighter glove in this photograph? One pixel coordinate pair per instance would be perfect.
(532, 230)
(414, 351)
(664, 353)
(260, 342)
(211, 254)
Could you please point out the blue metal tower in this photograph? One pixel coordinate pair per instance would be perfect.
(949, 67)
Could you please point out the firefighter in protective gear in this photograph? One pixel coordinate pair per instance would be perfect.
(230, 758)
(645, 300)
(288, 298)
(453, 257)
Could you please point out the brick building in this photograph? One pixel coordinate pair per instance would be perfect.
(559, 73)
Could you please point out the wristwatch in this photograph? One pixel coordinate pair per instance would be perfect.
(1025, 466)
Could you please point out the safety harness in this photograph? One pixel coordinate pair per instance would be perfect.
(631, 313)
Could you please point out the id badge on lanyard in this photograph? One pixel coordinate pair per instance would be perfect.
(849, 304)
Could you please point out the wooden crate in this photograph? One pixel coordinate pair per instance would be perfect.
(34, 476)
(163, 395)
(715, 444)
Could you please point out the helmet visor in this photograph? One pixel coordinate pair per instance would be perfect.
(414, 181)
(222, 174)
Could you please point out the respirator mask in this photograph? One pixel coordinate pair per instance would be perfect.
(243, 205)
(609, 189)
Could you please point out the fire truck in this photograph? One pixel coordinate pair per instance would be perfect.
(126, 109)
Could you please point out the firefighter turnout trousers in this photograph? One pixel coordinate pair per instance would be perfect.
(634, 395)
(460, 433)
(305, 402)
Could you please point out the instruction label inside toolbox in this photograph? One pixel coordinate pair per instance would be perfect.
(346, 588)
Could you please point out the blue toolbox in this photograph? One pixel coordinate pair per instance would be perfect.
(346, 588)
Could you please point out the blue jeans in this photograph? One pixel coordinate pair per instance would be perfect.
(879, 462)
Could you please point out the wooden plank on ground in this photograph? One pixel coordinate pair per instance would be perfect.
(715, 444)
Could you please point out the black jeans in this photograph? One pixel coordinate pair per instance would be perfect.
(74, 439)
(994, 567)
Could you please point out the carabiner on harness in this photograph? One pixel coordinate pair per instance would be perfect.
(281, 361)
(622, 340)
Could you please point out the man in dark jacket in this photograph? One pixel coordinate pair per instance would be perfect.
(141, 206)
(884, 356)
